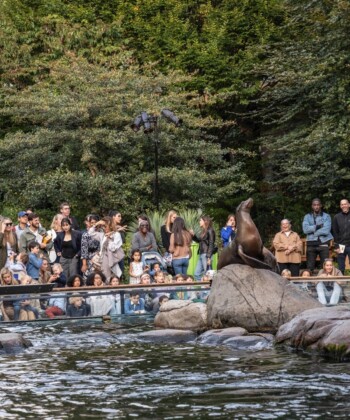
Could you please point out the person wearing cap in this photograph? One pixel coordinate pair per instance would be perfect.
(22, 223)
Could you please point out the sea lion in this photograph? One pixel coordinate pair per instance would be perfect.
(247, 247)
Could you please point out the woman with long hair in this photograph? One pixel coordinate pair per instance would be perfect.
(90, 244)
(206, 242)
(111, 250)
(8, 241)
(68, 247)
(9, 309)
(228, 232)
(55, 227)
(167, 229)
(331, 290)
(180, 246)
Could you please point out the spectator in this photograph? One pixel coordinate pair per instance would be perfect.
(101, 304)
(144, 240)
(35, 260)
(45, 275)
(206, 246)
(167, 229)
(65, 211)
(18, 265)
(56, 307)
(118, 227)
(58, 277)
(317, 226)
(29, 307)
(54, 229)
(331, 290)
(116, 309)
(228, 232)
(22, 224)
(180, 246)
(341, 232)
(136, 267)
(8, 241)
(288, 248)
(34, 232)
(68, 247)
(134, 305)
(90, 245)
(75, 281)
(286, 273)
(10, 309)
(77, 307)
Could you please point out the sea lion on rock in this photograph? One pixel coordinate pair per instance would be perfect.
(247, 247)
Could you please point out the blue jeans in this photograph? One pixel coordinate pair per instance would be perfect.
(342, 257)
(201, 267)
(180, 265)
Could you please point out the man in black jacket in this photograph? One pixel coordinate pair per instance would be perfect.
(341, 233)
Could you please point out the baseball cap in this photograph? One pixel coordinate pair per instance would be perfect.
(22, 213)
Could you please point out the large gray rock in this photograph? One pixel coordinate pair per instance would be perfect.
(324, 330)
(216, 337)
(13, 343)
(182, 315)
(167, 336)
(257, 300)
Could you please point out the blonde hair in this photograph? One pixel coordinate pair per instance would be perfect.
(9, 237)
(74, 299)
(56, 221)
(5, 271)
(168, 222)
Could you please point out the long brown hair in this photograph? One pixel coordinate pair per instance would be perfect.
(208, 224)
(179, 230)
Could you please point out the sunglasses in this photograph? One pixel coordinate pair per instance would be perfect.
(8, 224)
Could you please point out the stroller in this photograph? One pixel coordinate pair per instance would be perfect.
(151, 258)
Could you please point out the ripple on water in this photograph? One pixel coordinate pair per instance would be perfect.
(89, 370)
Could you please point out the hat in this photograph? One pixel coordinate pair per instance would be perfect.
(22, 213)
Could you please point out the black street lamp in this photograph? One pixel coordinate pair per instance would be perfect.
(150, 124)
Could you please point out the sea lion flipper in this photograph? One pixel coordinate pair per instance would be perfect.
(251, 261)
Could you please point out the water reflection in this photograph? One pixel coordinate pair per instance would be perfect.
(104, 371)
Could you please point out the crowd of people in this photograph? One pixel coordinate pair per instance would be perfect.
(70, 257)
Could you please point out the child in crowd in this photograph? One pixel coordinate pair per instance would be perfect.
(136, 268)
(77, 307)
(75, 281)
(148, 295)
(35, 260)
(100, 303)
(58, 276)
(286, 274)
(162, 299)
(155, 268)
(116, 308)
(17, 264)
(56, 307)
(30, 306)
(9, 309)
(134, 305)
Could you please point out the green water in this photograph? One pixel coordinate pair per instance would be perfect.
(92, 370)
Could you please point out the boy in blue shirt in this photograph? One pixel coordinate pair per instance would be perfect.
(35, 260)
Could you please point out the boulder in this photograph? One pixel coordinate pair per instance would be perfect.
(325, 331)
(13, 343)
(215, 337)
(248, 342)
(255, 299)
(182, 315)
(167, 336)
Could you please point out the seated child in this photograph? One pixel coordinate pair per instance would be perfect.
(17, 264)
(58, 276)
(286, 274)
(77, 307)
(154, 269)
(116, 309)
(56, 307)
(134, 305)
(163, 299)
(30, 306)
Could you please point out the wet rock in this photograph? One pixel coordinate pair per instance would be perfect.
(253, 342)
(13, 343)
(216, 337)
(168, 336)
(257, 300)
(183, 315)
(325, 331)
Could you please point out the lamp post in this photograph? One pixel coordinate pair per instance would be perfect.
(151, 125)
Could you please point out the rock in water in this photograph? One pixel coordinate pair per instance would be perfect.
(167, 336)
(216, 337)
(182, 315)
(322, 330)
(257, 300)
(13, 343)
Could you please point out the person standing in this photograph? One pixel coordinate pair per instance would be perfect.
(206, 242)
(317, 227)
(180, 246)
(22, 223)
(228, 232)
(341, 232)
(8, 241)
(167, 228)
(65, 211)
(288, 247)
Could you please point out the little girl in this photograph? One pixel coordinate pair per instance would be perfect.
(136, 267)
(116, 309)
